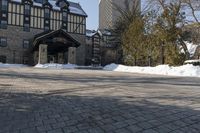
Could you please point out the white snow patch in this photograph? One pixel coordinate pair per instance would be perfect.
(191, 48)
(185, 70)
(56, 66)
(2, 65)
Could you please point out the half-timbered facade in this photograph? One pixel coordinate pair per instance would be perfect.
(42, 31)
(101, 48)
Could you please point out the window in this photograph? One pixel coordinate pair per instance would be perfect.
(39, 1)
(64, 16)
(26, 27)
(46, 13)
(27, 9)
(27, 18)
(46, 28)
(4, 5)
(26, 44)
(46, 22)
(3, 24)
(4, 15)
(3, 42)
(2, 59)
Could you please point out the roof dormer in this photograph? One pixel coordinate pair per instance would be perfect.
(30, 2)
(46, 4)
(39, 1)
(63, 4)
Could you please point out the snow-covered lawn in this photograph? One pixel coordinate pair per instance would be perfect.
(185, 70)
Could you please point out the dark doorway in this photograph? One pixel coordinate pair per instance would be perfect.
(2, 59)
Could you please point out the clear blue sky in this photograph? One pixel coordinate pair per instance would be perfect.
(91, 7)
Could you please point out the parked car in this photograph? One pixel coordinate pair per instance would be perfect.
(193, 62)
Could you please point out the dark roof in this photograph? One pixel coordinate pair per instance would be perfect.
(44, 35)
(91, 33)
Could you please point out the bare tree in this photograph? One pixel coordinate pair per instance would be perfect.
(194, 9)
(190, 7)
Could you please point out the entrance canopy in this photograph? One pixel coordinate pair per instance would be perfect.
(57, 41)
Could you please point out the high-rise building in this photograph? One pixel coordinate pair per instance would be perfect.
(108, 13)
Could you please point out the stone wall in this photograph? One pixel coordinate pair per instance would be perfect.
(108, 54)
(72, 55)
(14, 51)
(80, 51)
(89, 51)
(43, 54)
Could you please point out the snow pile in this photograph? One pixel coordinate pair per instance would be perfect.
(185, 70)
(56, 66)
(11, 65)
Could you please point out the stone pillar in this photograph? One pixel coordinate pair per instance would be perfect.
(72, 55)
(60, 58)
(65, 57)
(35, 57)
(42, 54)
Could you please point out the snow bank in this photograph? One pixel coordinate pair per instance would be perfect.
(56, 66)
(11, 65)
(185, 70)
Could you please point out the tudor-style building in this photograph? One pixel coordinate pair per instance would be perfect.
(42, 31)
(101, 48)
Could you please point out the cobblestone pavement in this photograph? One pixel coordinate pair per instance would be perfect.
(65, 101)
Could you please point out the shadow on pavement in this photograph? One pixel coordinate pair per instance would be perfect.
(31, 112)
(179, 81)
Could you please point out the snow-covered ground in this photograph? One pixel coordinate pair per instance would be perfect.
(65, 66)
(50, 66)
(11, 65)
(56, 66)
(185, 70)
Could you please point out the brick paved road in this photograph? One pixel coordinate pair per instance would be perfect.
(64, 101)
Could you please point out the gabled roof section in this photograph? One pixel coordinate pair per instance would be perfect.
(29, 1)
(63, 4)
(47, 4)
(51, 34)
(91, 33)
(74, 8)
